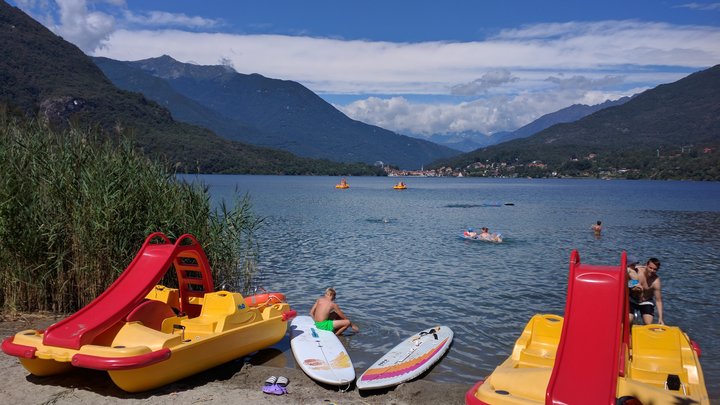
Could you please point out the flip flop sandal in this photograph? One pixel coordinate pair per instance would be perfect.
(282, 381)
(274, 389)
(271, 380)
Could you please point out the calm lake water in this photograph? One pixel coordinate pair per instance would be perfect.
(399, 265)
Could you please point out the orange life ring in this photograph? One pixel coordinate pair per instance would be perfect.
(268, 298)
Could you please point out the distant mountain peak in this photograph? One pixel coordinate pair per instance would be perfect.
(164, 58)
(166, 67)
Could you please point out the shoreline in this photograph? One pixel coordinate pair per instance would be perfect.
(238, 381)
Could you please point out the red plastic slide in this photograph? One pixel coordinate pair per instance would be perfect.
(144, 272)
(587, 363)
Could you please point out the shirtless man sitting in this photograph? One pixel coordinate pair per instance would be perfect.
(328, 315)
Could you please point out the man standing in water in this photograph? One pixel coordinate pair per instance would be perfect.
(649, 281)
(328, 316)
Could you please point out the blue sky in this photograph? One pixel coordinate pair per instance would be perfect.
(415, 67)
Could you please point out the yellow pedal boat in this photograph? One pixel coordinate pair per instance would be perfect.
(146, 335)
(593, 355)
(400, 186)
(343, 184)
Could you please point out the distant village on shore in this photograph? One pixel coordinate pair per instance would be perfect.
(584, 167)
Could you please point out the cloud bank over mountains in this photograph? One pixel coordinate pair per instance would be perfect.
(497, 83)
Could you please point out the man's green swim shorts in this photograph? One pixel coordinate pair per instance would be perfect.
(325, 325)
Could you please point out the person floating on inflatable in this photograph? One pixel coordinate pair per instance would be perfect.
(485, 234)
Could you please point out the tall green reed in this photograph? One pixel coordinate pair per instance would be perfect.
(75, 207)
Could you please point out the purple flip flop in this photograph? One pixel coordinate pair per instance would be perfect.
(275, 386)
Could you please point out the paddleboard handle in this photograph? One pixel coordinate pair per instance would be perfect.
(432, 331)
(314, 333)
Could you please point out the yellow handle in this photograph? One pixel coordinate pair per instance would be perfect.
(552, 317)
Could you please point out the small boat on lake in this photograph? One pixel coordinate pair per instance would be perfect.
(594, 355)
(147, 335)
(343, 184)
(400, 186)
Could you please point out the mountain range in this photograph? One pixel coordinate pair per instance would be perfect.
(286, 115)
(675, 126)
(238, 107)
(274, 113)
(664, 132)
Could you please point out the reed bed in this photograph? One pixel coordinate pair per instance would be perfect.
(76, 206)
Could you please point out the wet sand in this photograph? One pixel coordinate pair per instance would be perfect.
(239, 381)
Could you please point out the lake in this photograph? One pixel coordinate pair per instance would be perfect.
(399, 265)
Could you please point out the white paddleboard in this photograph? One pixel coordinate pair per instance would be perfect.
(319, 353)
(408, 360)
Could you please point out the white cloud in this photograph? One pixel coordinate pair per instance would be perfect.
(483, 84)
(585, 83)
(227, 62)
(82, 23)
(87, 29)
(701, 6)
(498, 113)
(338, 66)
(398, 114)
(611, 43)
(165, 19)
